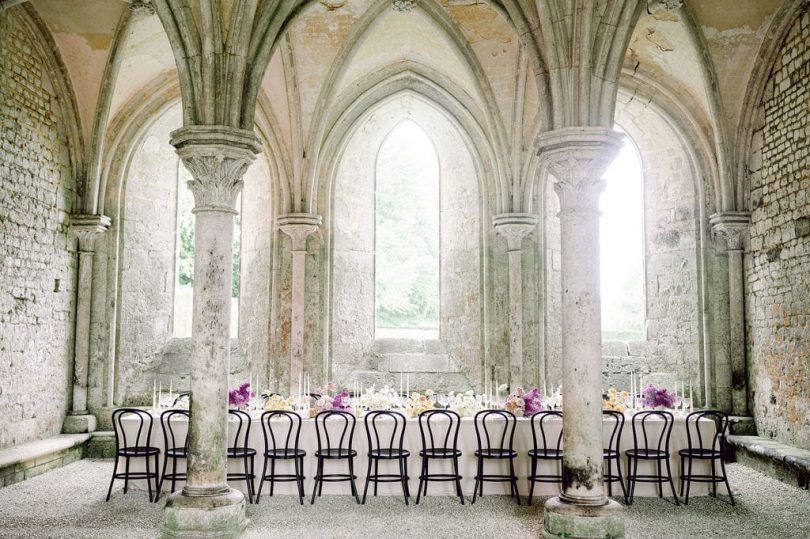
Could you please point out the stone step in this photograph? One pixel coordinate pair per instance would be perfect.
(783, 462)
(23, 461)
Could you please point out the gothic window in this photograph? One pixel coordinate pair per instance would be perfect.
(184, 266)
(407, 235)
(622, 248)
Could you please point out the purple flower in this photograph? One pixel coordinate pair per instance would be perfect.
(239, 396)
(342, 401)
(533, 402)
(654, 396)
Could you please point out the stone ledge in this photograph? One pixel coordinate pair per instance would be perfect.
(784, 462)
(27, 460)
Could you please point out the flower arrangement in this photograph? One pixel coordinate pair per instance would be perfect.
(616, 400)
(239, 397)
(384, 399)
(418, 403)
(464, 404)
(341, 401)
(655, 397)
(524, 403)
(277, 402)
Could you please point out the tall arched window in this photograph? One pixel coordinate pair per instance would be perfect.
(622, 248)
(184, 268)
(407, 235)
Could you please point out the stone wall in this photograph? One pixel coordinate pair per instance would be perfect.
(37, 260)
(778, 266)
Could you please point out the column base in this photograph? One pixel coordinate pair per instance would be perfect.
(562, 519)
(79, 423)
(220, 516)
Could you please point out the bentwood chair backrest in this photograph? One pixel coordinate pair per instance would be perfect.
(169, 422)
(280, 427)
(438, 427)
(616, 421)
(545, 422)
(334, 428)
(385, 422)
(717, 438)
(241, 431)
(498, 426)
(138, 436)
(648, 421)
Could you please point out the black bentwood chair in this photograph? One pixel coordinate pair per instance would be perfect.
(712, 452)
(613, 450)
(549, 448)
(382, 422)
(288, 426)
(498, 427)
(241, 450)
(175, 446)
(435, 446)
(342, 423)
(134, 447)
(655, 450)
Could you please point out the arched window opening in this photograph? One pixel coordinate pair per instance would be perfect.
(622, 248)
(407, 235)
(184, 256)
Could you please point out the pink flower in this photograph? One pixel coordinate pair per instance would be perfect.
(342, 401)
(239, 396)
(533, 402)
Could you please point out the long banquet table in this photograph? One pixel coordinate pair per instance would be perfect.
(466, 443)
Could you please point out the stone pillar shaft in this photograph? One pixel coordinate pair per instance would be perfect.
(514, 227)
(217, 158)
(86, 228)
(733, 226)
(577, 158)
(298, 227)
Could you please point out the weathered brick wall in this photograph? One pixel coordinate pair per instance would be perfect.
(37, 264)
(778, 266)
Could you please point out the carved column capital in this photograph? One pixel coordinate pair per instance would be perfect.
(299, 226)
(403, 5)
(513, 227)
(731, 226)
(577, 157)
(141, 7)
(217, 157)
(87, 228)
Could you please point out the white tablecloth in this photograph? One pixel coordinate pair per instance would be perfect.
(467, 443)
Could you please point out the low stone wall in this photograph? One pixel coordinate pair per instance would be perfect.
(28, 460)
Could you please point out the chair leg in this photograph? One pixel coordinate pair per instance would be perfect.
(458, 480)
(403, 478)
(318, 472)
(247, 478)
(714, 483)
(148, 478)
(688, 481)
(112, 480)
(672, 483)
(126, 475)
(368, 478)
(427, 473)
(299, 478)
(531, 480)
(660, 478)
(174, 471)
(157, 467)
(514, 479)
(351, 480)
(264, 474)
(725, 479)
(162, 477)
(272, 477)
(681, 477)
(421, 481)
(477, 480)
(632, 479)
(376, 475)
(619, 475)
(407, 479)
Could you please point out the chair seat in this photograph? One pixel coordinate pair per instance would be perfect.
(698, 453)
(238, 452)
(389, 453)
(288, 453)
(177, 452)
(335, 453)
(138, 451)
(439, 453)
(610, 454)
(647, 454)
(546, 454)
(495, 453)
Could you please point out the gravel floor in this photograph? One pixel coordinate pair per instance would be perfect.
(69, 502)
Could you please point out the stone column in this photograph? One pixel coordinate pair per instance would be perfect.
(733, 226)
(514, 227)
(217, 157)
(86, 228)
(298, 226)
(577, 158)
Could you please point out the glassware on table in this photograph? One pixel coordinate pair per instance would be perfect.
(443, 399)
